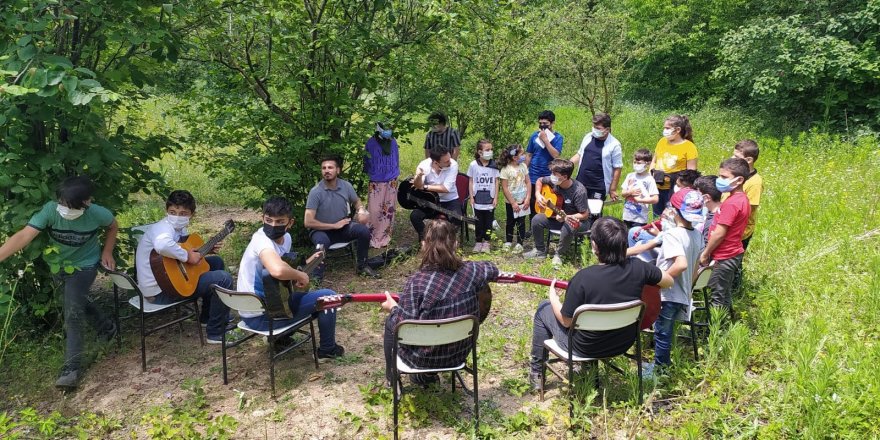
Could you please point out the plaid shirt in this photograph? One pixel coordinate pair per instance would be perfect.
(441, 294)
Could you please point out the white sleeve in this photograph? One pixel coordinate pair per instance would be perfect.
(617, 155)
(449, 182)
(652, 187)
(583, 146)
(472, 172)
(165, 244)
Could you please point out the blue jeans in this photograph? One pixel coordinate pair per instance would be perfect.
(663, 328)
(641, 236)
(214, 312)
(302, 304)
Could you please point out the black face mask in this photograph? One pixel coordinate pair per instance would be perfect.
(274, 232)
(543, 127)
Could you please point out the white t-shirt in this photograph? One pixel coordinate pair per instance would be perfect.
(445, 178)
(251, 267)
(484, 180)
(677, 242)
(638, 212)
(163, 238)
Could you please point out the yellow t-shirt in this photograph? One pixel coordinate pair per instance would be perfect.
(673, 158)
(753, 188)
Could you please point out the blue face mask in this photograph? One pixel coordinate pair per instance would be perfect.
(385, 134)
(724, 185)
(522, 159)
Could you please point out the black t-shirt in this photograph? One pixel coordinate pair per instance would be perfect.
(590, 173)
(607, 284)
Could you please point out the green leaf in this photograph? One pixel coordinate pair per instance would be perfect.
(23, 41)
(3, 121)
(70, 83)
(58, 60)
(27, 52)
(36, 80)
(55, 76)
(167, 7)
(89, 83)
(16, 90)
(86, 71)
(48, 91)
(97, 10)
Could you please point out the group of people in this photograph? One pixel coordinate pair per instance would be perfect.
(705, 219)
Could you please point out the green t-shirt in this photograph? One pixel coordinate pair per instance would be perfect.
(78, 239)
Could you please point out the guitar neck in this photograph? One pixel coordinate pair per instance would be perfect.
(427, 204)
(205, 248)
(336, 301)
(511, 278)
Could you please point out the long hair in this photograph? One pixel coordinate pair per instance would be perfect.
(506, 155)
(438, 248)
(682, 122)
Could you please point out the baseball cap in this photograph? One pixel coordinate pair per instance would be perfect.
(689, 204)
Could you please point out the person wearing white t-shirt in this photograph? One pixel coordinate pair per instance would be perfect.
(436, 174)
(262, 264)
(639, 191)
(483, 174)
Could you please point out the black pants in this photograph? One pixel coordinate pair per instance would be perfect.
(484, 224)
(351, 231)
(418, 216)
(520, 224)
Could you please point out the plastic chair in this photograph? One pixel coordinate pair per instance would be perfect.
(349, 249)
(122, 281)
(426, 333)
(595, 317)
(595, 207)
(253, 303)
(463, 188)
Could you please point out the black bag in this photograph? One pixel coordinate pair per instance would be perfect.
(659, 177)
(388, 257)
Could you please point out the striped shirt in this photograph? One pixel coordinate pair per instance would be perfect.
(449, 139)
(431, 294)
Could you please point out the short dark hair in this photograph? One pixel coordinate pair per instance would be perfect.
(738, 167)
(609, 235)
(333, 157)
(548, 115)
(688, 177)
(562, 166)
(643, 154)
(181, 197)
(75, 191)
(706, 185)
(603, 119)
(748, 148)
(277, 206)
(438, 151)
(439, 117)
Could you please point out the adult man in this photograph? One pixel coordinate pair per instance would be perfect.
(437, 174)
(574, 204)
(601, 159)
(544, 146)
(328, 215)
(441, 134)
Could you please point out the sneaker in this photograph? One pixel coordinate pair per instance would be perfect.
(232, 336)
(108, 331)
(535, 378)
(333, 354)
(230, 320)
(506, 247)
(557, 261)
(535, 253)
(486, 247)
(367, 271)
(478, 247)
(68, 379)
(517, 249)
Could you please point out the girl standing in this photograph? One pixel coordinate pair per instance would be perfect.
(675, 152)
(382, 166)
(484, 192)
(516, 185)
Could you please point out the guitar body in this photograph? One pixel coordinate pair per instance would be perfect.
(175, 276)
(406, 188)
(552, 199)
(651, 298)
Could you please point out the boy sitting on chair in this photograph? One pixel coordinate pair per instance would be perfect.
(262, 268)
(164, 237)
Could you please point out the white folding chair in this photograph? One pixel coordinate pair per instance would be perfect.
(250, 302)
(426, 333)
(595, 317)
(122, 281)
(346, 248)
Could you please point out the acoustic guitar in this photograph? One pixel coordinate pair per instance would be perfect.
(411, 198)
(553, 207)
(277, 292)
(179, 278)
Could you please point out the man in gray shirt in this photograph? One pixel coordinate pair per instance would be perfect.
(328, 214)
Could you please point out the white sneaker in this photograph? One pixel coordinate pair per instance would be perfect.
(517, 249)
(535, 253)
(478, 246)
(507, 246)
(557, 261)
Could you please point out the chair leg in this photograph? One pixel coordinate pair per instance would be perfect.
(694, 340)
(143, 342)
(544, 372)
(639, 366)
(271, 352)
(116, 317)
(476, 397)
(223, 352)
(570, 386)
(202, 337)
(314, 345)
(395, 382)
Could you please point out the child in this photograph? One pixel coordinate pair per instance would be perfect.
(747, 150)
(484, 192)
(73, 223)
(725, 233)
(639, 190)
(674, 153)
(711, 201)
(678, 256)
(163, 237)
(642, 234)
(517, 187)
(686, 179)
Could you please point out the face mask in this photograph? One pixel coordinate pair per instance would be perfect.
(639, 167)
(668, 132)
(274, 232)
(177, 221)
(554, 179)
(69, 214)
(442, 169)
(724, 185)
(598, 133)
(522, 159)
(385, 134)
(543, 127)
(487, 155)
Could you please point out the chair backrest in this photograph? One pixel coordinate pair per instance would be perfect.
(240, 301)
(463, 188)
(595, 206)
(435, 331)
(123, 281)
(702, 280)
(602, 317)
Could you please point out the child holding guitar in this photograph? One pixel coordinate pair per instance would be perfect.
(161, 243)
(563, 205)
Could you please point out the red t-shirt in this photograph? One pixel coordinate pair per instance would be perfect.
(734, 214)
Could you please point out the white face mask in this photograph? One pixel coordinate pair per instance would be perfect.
(598, 133)
(554, 179)
(177, 221)
(639, 167)
(486, 155)
(69, 214)
(668, 132)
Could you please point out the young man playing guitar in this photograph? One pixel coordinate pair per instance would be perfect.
(163, 238)
(262, 264)
(444, 287)
(328, 215)
(437, 174)
(570, 216)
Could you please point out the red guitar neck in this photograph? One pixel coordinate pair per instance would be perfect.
(510, 278)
